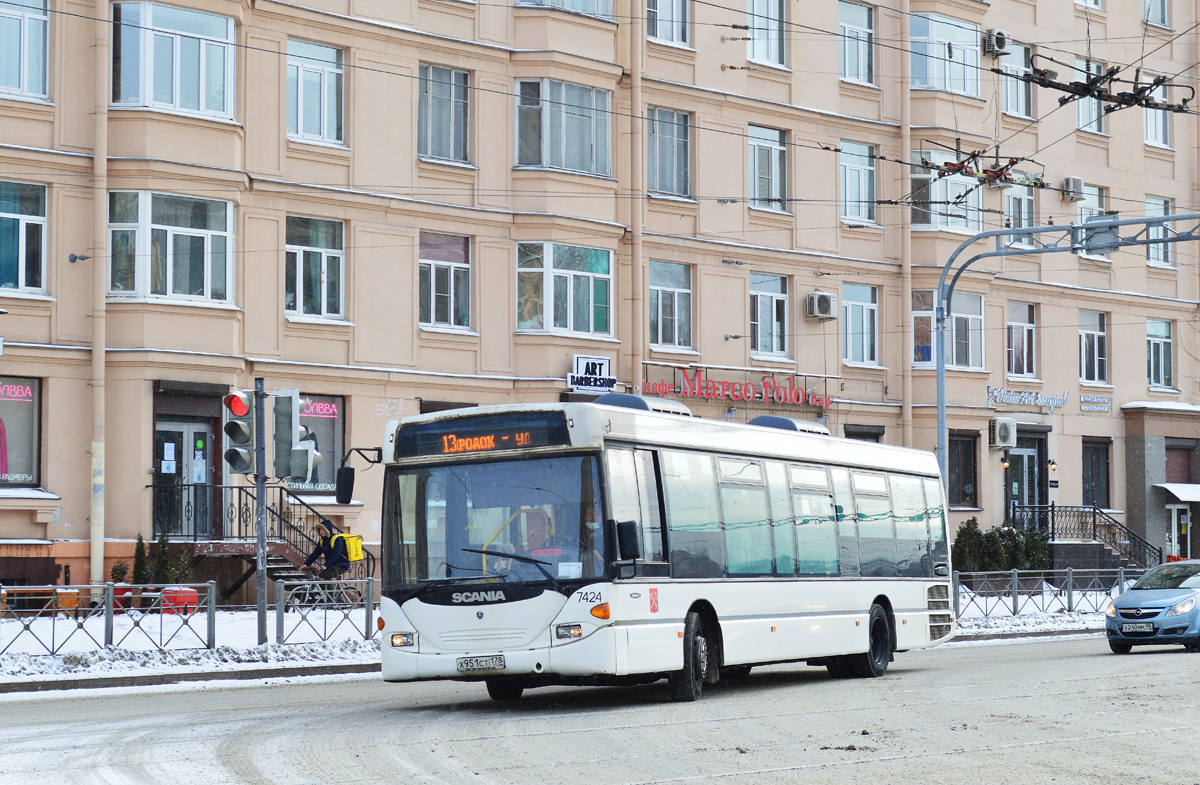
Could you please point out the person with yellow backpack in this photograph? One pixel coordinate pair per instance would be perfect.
(334, 546)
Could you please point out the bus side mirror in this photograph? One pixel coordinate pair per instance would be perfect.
(941, 570)
(345, 484)
(628, 547)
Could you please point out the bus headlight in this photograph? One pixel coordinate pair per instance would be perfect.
(402, 639)
(568, 631)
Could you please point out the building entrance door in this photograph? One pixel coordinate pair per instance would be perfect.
(1023, 479)
(1179, 542)
(184, 473)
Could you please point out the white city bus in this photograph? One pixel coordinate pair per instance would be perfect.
(622, 541)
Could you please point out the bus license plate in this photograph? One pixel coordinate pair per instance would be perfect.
(1137, 626)
(495, 663)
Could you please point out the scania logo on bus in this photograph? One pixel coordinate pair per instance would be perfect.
(477, 596)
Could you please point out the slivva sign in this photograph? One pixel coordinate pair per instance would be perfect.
(769, 389)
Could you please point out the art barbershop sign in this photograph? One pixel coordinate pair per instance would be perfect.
(997, 395)
(781, 391)
(592, 375)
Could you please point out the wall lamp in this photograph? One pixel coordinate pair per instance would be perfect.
(1004, 460)
(73, 258)
(732, 261)
(732, 337)
(1052, 465)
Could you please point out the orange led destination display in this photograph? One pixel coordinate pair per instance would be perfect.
(482, 433)
(454, 443)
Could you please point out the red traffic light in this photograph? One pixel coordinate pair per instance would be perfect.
(238, 403)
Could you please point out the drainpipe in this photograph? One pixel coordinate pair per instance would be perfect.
(637, 195)
(906, 385)
(99, 285)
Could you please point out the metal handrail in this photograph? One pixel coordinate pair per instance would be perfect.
(1087, 522)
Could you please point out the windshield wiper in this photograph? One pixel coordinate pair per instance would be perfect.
(527, 560)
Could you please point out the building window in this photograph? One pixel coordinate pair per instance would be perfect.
(169, 246)
(23, 37)
(945, 54)
(1155, 12)
(1093, 347)
(564, 288)
(668, 159)
(324, 417)
(1095, 474)
(667, 20)
(20, 431)
(1089, 112)
(1158, 121)
(443, 113)
(445, 280)
(1019, 209)
(766, 31)
(860, 324)
(1021, 347)
(1158, 353)
(964, 330)
(768, 314)
(671, 304)
(314, 84)
(768, 168)
(856, 26)
(601, 8)
(22, 237)
(1093, 203)
(857, 163)
(172, 58)
(1090, 3)
(1018, 93)
(562, 126)
(949, 201)
(1158, 255)
(314, 267)
(962, 468)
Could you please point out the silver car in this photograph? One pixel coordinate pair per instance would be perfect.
(1163, 607)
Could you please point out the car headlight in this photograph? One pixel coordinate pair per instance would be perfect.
(1111, 611)
(1183, 607)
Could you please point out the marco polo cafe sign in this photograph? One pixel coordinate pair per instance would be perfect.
(768, 389)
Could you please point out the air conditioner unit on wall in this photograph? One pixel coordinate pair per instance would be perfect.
(1072, 189)
(997, 42)
(1002, 433)
(821, 305)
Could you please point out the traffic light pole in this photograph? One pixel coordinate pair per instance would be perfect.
(260, 504)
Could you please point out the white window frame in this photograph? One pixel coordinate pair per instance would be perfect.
(1089, 112)
(453, 273)
(550, 278)
(860, 306)
(332, 262)
(330, 74)
(1159, 370)
(1022, 331)
(1091, 3)
(1159, 255)
(144, 230)
(1093, 203)
(668, 152)
(1094, 339)
(857, 164)
(452, 109)
(939, 192)
(963, 330)
(548, 108)
(775, 304)
(1158, 121)
(679, 302)
(945, 54)
(24, 223)
(668, 20)
(1156, 12)
(32, 52)
(767, 146)
(858, 45)
(765, 19)
(600, 8)
(148, 37)
(1018, 93)
(1020, 209)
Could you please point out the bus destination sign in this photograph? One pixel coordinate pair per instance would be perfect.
(486, 433)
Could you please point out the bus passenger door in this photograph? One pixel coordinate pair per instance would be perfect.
(633, 493)
(843, 498)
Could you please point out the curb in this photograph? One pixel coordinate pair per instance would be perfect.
(1032, 634)
(46, 685)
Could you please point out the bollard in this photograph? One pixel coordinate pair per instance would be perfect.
(212, 615)
(280, 605)
(1070, 590)
(1016, 595)
(1120, 580)
(108, 614)
(369, 610)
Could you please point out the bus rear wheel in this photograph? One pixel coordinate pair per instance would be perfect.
(687, 683)
(879, 652)
(505, 689)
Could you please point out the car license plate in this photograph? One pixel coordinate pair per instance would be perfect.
(495, 663)
(1137, 626)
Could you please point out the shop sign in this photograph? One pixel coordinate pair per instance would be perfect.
(1095, 403)
(997, 395)
(592, 375)
(768, 389)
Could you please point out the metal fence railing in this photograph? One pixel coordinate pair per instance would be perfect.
(311, 611)
(1018, 592)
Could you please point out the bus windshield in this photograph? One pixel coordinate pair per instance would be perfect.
(545, 511)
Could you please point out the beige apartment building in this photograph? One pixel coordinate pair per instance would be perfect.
(399, 206)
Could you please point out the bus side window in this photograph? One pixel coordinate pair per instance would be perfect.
(876, 532)
(633, 492)
(937, 521)
(782, 519)
(747, 518)
(816, 522)
(693, 514)
(843, 499)
(912, 533)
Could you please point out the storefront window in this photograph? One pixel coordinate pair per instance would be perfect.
(324, 417)
(20, 427)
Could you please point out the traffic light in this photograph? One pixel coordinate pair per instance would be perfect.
(238, 408)
(295, 452)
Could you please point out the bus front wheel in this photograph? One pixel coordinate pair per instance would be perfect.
(875, 662)
(687, 683)
(505, 689)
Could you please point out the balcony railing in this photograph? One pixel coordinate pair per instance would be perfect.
(1065, 522)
